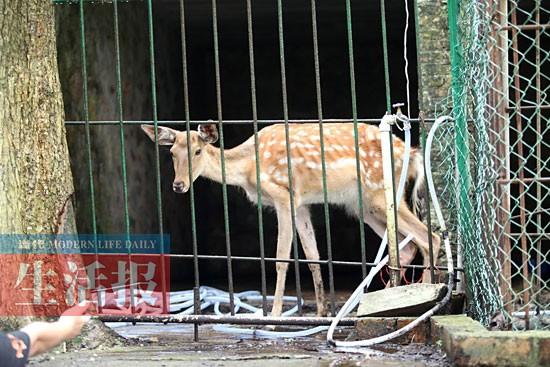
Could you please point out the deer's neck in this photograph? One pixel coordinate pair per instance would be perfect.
(237, 163)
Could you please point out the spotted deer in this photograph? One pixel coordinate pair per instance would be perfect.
(305, 154)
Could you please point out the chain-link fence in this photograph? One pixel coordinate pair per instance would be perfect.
(495, 156)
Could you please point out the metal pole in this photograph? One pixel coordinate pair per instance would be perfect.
(385, 139)
(461, 136)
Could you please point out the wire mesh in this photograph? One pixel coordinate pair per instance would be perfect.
(501, 217)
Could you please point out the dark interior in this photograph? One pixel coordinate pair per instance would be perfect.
(236, 104)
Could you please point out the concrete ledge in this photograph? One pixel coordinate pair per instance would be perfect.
(468, 343)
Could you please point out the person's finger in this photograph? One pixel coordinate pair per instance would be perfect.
(78, 310)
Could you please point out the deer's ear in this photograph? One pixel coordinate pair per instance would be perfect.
(208, 133)
(166, 135)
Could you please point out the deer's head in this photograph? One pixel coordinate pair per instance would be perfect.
(206, 134)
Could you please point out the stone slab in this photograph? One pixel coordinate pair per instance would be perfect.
(406, 300)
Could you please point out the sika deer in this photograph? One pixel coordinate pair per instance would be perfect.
(307, 183)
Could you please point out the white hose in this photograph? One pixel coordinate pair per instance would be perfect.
(355, 297)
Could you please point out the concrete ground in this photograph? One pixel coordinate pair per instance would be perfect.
(173, 345)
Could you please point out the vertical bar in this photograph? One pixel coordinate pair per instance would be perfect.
(356, 138)
(120, 114)
(461, 136)
(538, 112)
(287, 138)
(256, 145)
(519, 128)
(498, 98)
(87, 133)
(385, 51)
(323, 160)
(196, 310)
(196, 307)
(393, 239)
(157, 154)
(222, 157)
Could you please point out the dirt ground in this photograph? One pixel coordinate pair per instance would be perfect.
(173, 345)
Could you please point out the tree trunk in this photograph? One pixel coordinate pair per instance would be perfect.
(36, 185)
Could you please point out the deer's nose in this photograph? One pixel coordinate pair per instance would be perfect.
(179, 187)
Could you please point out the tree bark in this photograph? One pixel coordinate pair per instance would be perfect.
(36, 185)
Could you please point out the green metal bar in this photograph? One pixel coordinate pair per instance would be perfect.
(188, 128)
(256, 145)
(222, 156)
(323, 159)
(356, 138)
(196, 273)
(87, 129)
(157, 154)
(122, 146)
(287, 138)
(121, 119)
(87, 116)
(461, 136)
(385, 51)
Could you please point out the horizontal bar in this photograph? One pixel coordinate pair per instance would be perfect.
(530, 107)
(525, 27)
(530, 234)
(228, 122)
(523, 180)
(237, 319)
(301, 261)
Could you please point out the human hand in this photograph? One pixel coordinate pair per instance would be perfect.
(74, 318)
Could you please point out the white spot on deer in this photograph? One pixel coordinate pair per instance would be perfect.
(313, 153)
(362, 153)
(282, 161)
(312, 165)
(376, 164)
(267, 154)
(340, 163)
(264, 176)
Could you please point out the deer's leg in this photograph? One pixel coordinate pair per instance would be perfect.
(309, 244)
(408, 223)
(284, 242)
(407, 254)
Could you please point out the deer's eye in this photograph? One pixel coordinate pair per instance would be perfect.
(197, 152)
